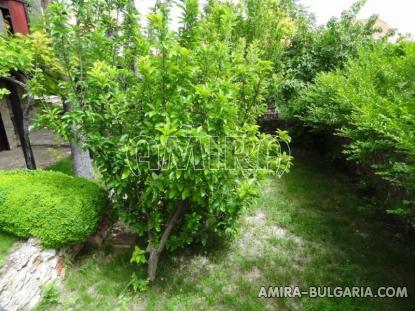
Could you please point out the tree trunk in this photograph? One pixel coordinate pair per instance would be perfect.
(44, 4)
(81, 159)
(153, 263)
(155, 252)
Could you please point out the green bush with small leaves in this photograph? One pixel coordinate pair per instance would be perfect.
(371, 104)
(56, 208)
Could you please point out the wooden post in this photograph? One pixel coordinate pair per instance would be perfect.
(19, 24)
(21, 126)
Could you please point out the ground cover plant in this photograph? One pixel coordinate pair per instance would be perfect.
(58, 209)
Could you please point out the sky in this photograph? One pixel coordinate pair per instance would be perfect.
(399, 14)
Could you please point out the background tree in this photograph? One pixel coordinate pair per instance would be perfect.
(22, 60)
(314, 49)
(29, 69)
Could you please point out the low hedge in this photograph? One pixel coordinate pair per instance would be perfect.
(56, 208)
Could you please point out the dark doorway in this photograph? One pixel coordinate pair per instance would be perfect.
(4, 143)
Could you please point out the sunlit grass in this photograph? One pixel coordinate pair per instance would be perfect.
(63, 166)
(309, 228)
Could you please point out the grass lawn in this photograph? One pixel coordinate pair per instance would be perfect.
(63, 166)
(6, 241)
(310, 228)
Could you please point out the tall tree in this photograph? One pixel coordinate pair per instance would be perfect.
(170, 117)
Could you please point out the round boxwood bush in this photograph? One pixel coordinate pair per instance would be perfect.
(56, 208)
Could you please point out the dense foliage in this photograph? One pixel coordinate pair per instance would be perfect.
(27, 56)
(56, 208)
(314, 49)
(371, 102)
(169, 116)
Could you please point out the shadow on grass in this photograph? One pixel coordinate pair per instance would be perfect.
(309, 228)
(346, 239)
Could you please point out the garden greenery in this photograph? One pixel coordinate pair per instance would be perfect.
(314, 49)
(169, 116)
(28, 56)
(371, 102)
(58, 209)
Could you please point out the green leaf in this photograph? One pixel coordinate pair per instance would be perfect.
(126, 173)
(138, 256)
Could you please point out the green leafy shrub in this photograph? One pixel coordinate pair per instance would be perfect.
(187, 101)
(371, 103)
(54, 207)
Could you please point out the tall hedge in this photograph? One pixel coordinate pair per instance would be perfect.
(56, 208)
(371, 103)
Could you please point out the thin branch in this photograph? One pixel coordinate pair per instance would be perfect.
(15, 81)
(170, 225)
